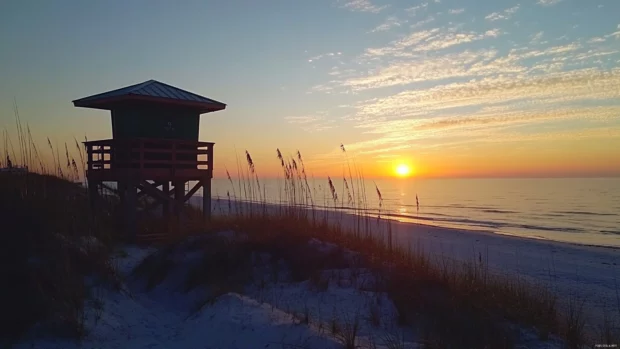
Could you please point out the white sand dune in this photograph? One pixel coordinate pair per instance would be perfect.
(264, 317)
(585, 273)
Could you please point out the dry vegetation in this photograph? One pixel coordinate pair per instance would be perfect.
(451, 305)
(48, 251)
(54, 248)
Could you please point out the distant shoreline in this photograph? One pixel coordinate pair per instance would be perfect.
(571, 268)
(394, 217)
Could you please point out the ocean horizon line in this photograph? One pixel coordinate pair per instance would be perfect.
(616, 176)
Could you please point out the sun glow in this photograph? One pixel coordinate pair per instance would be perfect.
(402, 170)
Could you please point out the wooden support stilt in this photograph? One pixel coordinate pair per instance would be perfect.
(93, 194)
(131, 203)
(122, 188)
(165, 207)
(206, 199)
(179, 197)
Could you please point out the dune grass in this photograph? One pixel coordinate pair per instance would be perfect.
(54, 247)
(454, 304)
(45, 214)
(51, 242)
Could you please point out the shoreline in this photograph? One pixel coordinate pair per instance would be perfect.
(587, 272)
(394, 217)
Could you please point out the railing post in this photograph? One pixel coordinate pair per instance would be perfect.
(102, 155)
(206, 199)
(206, 185)
(111, 155)
(108, 149)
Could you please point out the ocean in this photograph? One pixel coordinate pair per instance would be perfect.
(576, 210)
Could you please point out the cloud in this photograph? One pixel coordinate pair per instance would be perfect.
(548, 89)
(452, 38)
(423, 22)
(495, 16)
(307, 119)
(412, 11)
(418, 66)
(548, 2)
(400, 48)
(361, 6)
(448, 86)
(512, 10)
(422, 57)
(338, 71)
(506, 14)
(388, 24)
(481, 126)
(464, 64)
(550, 51)
(615, 34)
(429, 40)
(596, 40)
(535, 39)
(312, 123)
(325, 55)
(456, 11)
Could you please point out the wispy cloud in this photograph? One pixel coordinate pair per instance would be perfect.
(615, 34)
(423, 22)
(444, 84)
(548, 2)
(429, 40)
(561, 87)
(417, 66)
(389, 23)
(480, 126)
(419, 57)
(506, 14)
(361, 6)
(453, 38)
(535, 39)
(412, 11)
(312, 123)
(480, 105)
(324, 55)
(464, 64)
(307, 119)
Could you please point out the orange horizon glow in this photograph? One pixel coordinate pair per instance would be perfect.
(534, 160)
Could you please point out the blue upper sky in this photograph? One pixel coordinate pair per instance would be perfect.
(394, 80)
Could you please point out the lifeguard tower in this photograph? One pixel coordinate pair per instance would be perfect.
(154, 150)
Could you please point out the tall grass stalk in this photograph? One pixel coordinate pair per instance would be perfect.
(410, 269)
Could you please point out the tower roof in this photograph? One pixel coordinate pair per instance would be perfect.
(151, 91)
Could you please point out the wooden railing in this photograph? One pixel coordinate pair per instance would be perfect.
(147, 155)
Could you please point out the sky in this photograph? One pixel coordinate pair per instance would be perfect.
(486, 88)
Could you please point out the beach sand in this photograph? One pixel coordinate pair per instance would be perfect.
(589, 274)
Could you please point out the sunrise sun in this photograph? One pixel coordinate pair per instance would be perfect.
(402, 170)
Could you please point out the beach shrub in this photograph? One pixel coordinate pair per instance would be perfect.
(51, 242)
